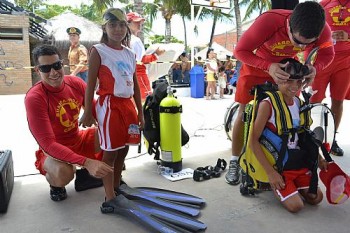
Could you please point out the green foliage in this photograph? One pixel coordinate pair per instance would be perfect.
(253, 5)
(156, 39)
(29, 5)
(51, 11)
(91, 13)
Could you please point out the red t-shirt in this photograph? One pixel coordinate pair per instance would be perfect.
(338, 19)
(267, 41)
(53, 115)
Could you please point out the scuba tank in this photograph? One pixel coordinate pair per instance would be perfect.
(170, 111)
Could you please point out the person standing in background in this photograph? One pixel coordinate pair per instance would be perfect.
(228, 67)
(176, 71)
(222, 81)
(135, 21)
(185, 67)
(77, 55)
(212, 69)
(337, 74)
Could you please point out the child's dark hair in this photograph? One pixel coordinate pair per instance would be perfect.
(104, 38)
(44, 50)
(308, 18)
(222, 68)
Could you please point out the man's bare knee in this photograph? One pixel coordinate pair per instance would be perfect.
(58, 173)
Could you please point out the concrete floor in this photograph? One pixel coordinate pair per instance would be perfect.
(31, 210)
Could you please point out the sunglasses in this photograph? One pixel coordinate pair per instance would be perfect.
(47, 68)
(298, 41)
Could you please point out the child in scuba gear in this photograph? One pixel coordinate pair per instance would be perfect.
(292, 185)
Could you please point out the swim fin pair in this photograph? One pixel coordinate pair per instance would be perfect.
(157, 209)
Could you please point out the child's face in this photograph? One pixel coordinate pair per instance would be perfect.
(116, 30)
(291, 87)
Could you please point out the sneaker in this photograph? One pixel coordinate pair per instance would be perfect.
(336, 150)
(58, 193)
(84, 181)
(232, 176)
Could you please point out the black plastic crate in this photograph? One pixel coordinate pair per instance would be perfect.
(6, 179)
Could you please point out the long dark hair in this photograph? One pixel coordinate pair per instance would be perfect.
(104, 38)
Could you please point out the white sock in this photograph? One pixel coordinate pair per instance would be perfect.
(234, 157)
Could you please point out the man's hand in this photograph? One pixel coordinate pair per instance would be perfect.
(310, 77)
(340, 35)
(276, 72)
(97, 168)
(159, 51)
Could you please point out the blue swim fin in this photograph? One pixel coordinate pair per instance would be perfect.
(134, 194)
(171, 218)
(155, 219)
(169, 195)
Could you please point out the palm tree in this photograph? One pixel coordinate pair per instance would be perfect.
(260, 5)
(238, 18)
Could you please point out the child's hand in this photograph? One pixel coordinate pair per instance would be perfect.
(322, 164)
(276, 181)
(141, 121)
(87, 120)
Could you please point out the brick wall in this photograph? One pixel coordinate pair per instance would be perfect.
(227, 40)
(17, 55)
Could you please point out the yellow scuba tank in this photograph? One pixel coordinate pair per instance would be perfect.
(170, 110)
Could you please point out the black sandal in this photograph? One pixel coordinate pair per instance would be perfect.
(201, 173)
(205, 173)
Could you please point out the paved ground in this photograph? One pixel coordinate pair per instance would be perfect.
(31, 210)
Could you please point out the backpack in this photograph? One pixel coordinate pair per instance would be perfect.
(151, 131)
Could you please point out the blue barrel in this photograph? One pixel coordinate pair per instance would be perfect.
(197, 81)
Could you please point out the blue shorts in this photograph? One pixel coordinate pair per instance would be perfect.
(83, 75)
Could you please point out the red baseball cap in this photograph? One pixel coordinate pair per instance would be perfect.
(337, 184)
(135, 17)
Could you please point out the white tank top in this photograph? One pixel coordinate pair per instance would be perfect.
(294, 111)
(116, 71)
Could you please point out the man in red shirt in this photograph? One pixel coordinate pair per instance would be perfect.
(275, 35)
(337, 74)
(53, 106)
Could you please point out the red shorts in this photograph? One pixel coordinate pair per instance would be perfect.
(249, 77)
(337, 75)
(145, 86)
(83, 144)
(118, 124)
(294, 180)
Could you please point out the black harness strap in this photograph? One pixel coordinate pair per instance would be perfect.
(170, 109)
(285, 130)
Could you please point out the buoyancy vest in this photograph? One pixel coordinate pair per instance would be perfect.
(274, 144)
(285, 130)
